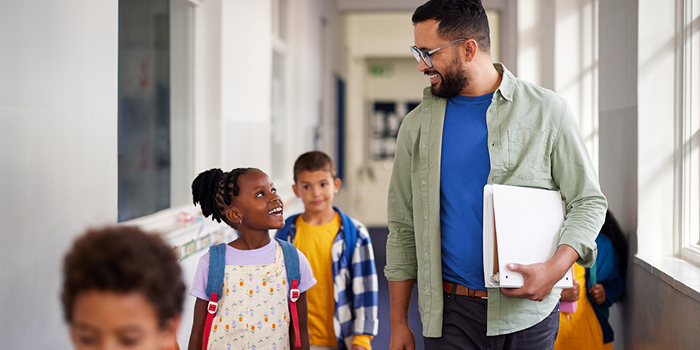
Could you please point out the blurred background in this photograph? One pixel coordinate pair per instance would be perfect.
(108, 110)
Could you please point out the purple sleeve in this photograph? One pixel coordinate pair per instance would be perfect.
(199, 284)
(307, 276)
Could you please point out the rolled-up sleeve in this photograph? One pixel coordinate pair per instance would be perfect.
(574, 174)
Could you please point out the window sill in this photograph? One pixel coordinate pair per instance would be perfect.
(185, 229)
(678, 273)
(188, 232)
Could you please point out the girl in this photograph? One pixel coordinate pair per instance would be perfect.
(253, 310)
(122, 289)
(594, 292)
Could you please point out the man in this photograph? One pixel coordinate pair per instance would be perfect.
(479, 124)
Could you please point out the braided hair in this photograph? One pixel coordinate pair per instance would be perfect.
(214, 190)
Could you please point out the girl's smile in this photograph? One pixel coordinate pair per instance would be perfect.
(277, 211)
(257, 205)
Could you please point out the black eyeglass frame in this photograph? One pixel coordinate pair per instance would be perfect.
(425, 55)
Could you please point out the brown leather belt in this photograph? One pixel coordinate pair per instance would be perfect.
(463, 290)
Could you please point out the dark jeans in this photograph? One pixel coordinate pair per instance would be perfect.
(464, 327)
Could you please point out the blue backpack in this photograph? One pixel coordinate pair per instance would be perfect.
(215, 279)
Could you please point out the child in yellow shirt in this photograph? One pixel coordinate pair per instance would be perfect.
(343, 307)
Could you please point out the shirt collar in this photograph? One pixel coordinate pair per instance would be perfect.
(507, 85)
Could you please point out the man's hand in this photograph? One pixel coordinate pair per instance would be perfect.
(357, 347)
(401, 337)
(537, 283)
(571, 294)
(540, 278)
(598, 293)
(399, 299)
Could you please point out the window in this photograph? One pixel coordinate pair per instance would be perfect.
(688, 135)
(155, 139)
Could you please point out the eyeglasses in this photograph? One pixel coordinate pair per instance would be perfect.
(425, 55)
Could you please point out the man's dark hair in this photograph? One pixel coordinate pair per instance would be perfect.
(124, 259)
(314, 161)
(214, 189)
(458, 19)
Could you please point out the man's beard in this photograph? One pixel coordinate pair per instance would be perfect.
(452, 82)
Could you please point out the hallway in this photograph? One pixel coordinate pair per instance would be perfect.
(110, 108)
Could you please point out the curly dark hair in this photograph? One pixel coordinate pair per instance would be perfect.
(612, 229)
(458, 19)
(314, 161)
(124, 259)
(214, 189)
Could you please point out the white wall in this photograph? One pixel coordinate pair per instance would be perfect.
(618, 133)
(310, 83)
(58, 153)
(558, 49)
(246, 61)
(655, 86)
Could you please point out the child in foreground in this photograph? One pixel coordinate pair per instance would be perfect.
(252, 311)
(343, 308)
(122, 289)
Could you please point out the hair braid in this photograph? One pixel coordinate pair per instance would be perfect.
(214, 190)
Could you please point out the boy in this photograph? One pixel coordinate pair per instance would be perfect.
(122, 289)
(348, 272)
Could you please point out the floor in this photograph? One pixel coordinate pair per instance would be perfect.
(381, 341)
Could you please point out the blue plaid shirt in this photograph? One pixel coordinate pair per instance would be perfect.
(356, 286)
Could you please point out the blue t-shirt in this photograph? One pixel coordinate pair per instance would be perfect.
(464, 169)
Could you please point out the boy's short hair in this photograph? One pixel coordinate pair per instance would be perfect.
(124, 259)
(314, 161)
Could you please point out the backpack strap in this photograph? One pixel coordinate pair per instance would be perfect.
(215, 282)
(592, 275)
(291, 262)
(284, 232)
(350, 232)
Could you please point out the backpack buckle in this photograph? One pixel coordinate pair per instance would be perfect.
(294, 294)
(213, 306)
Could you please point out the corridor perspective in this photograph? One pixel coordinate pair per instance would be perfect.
(109, 109)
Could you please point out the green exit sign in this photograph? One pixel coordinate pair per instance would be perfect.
(381, 69)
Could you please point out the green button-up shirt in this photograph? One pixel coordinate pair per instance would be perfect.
(533, 142)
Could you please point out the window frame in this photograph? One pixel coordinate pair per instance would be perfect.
(181, 78)
(687, 159)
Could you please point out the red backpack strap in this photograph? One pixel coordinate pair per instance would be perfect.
(211, 312)
(215, 282)
(293, 297)
(291, 262)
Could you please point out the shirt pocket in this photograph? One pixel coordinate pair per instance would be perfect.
(526, 149)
